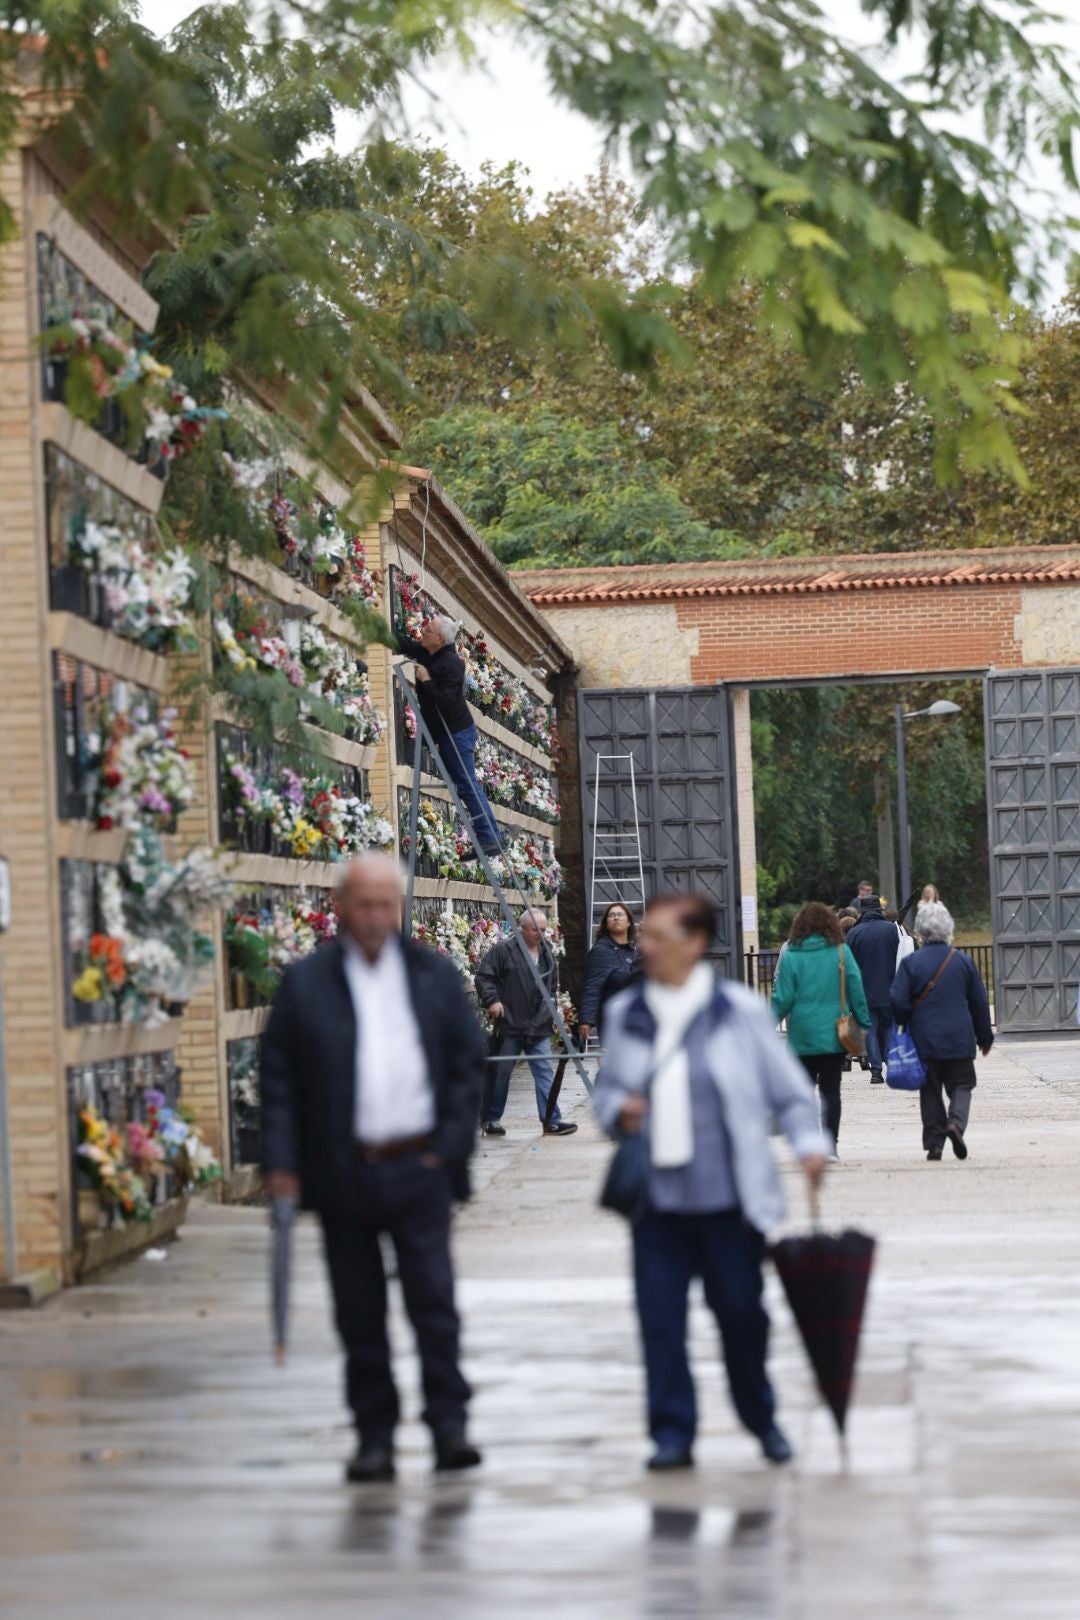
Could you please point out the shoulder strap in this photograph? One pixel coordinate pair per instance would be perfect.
(843, 984)
(934, 980)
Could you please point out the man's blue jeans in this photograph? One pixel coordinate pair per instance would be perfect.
(538, 1056)
(877, 1036)
(458, 753)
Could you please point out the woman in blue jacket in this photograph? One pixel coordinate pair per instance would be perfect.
(946, 1022)
(609, 967)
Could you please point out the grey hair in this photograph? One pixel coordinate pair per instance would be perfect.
(934, 924)
(447, 627)
(372, 862)
(532, 911)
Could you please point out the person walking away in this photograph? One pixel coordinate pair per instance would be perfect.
(609, 967)
(694, 1061)
(440, 691)
(506, 987)
(941, 1000)
(372, 1066)
(807, 993)
(874, 943)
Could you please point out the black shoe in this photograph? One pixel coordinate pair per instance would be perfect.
(776, 1446)
(864, 1064)
(491, 850)
(372, 1465)
(493, 1128)
(877, 1078)
(667, 1458)
(560, 1127)
(956, 1137)
(453, 1453)
(934, 1153)
(846, 1065)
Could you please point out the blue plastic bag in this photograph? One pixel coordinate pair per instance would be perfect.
(904, 1068)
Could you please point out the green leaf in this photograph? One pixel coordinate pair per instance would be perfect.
(801, 233)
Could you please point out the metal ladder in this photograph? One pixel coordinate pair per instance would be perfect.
(616, 871)
(569, 1051)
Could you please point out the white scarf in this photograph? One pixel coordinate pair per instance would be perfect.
(674, 1006)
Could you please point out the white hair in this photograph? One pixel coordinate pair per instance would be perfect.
(447, 627)
(536, 912)
(934, 924)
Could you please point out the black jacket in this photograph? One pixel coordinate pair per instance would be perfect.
(608, 969)
(504, 975)
(308, 1070)
(442, 698)
(955, 1017)
(874, 943)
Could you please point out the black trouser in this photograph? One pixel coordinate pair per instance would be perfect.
(826, 1070)
(411, 1201)
(956, 1077)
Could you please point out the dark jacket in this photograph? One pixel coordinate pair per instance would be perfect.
(955, 1017)
(442, 698)
(504, 975)
(874, 943)
(609, 967)
(308, 1070)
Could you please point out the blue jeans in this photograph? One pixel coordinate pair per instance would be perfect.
(877, 1036)
(457, 750)
(538, 1056)
(669, 1250)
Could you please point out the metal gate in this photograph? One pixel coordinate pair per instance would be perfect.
(680, 740)
(1033, 801)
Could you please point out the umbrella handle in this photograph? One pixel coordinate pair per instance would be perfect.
(814, 1194)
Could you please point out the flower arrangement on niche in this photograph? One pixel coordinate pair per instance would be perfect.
(309, 812)
(148, 594)
(121, 1166)
(142, 775)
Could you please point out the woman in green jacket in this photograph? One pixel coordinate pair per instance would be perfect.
(807, 994)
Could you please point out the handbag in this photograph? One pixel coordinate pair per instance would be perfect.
(626, 1186)
(904, 1068)
(849, 1032)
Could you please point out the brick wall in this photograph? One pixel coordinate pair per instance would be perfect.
(931, 629)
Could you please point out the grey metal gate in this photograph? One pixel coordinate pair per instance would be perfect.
(680, 740)
(1033, 801)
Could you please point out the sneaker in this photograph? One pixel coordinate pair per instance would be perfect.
(934, 1153)
(491, 1127)
(776, 1446)
(560, 1127)
(877, 1078)
(956, 1137)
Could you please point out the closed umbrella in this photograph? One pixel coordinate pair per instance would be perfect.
(826, 1277)
(282, 1217)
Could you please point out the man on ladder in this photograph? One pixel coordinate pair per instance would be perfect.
(440, 690)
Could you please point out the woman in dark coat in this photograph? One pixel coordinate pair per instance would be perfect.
(940, 998)
(609, 967)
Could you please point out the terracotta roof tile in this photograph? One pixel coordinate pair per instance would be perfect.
(672, 582)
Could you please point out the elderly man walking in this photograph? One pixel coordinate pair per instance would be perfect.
(440, 690)
(372, 1067)
(695, 1062)
(506, 986)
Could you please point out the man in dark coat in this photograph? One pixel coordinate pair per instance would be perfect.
(372, 1069)
(440, 691)
(941, 1000)
(874, 944)
(506, 986)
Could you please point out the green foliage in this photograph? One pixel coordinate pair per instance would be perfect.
(817, 752)
(551, 490)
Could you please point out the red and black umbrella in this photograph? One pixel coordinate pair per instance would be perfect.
(825, 1277)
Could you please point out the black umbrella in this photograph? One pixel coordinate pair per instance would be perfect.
(825, 1277)
(282, 1217)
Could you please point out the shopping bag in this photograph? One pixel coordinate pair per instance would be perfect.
(904, 1068)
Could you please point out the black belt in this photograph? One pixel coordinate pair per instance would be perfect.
(397, 1148)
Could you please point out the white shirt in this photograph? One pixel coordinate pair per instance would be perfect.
(394, 1098)
(674, 1006)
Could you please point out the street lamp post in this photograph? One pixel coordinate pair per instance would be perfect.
(934, 712)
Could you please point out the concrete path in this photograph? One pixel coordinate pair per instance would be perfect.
(154, 1462)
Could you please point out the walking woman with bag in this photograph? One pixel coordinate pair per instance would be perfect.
(819, 990)
(939, 996)
(692, 1079)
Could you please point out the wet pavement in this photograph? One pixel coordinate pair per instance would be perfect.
(154, 1461)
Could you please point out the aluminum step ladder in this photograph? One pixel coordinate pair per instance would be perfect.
(616, 870)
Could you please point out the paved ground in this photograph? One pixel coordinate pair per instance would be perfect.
(153, 1461)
